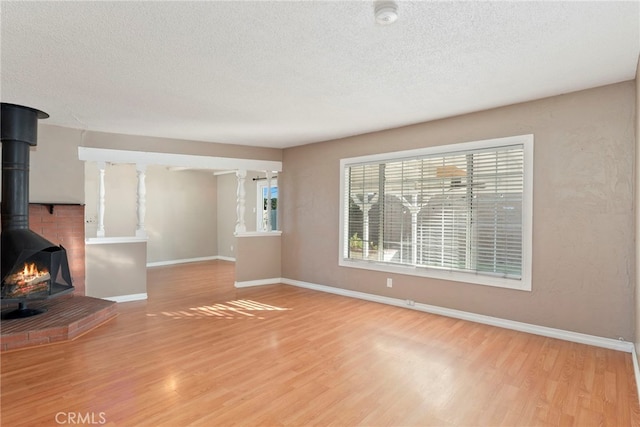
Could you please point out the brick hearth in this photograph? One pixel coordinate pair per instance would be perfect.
(67, 317)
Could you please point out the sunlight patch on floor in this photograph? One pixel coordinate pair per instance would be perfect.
(235, 309)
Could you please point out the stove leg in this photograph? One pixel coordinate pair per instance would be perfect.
(22, 311)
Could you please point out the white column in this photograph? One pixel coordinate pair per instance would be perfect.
(240, 202)
(365, 231)
(414, 208)
(365, 205)
(269, 226)
(141, 211)
(101, 169)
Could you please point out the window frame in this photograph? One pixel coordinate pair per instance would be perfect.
(260, 185)
(524, 283)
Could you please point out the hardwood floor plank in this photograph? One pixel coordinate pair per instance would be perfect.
(201, 352)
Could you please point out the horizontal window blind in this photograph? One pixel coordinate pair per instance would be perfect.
(458, 211)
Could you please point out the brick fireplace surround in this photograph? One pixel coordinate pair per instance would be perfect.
(63, 225)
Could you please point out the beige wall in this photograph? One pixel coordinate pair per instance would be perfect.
(120, 200)
(58, 176)
(181, 214)
(56, 173)
(258, 258)
(227, 185)
(116, 269)
(180, 146)
(637, 211)
(251, 189)
(181, 209)
(583, 252)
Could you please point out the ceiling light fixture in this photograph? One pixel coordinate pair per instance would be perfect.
(386, 12)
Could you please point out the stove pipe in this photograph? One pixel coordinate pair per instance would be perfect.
(19, 131)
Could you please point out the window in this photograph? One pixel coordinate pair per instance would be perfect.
(262, 211)
(459, 212)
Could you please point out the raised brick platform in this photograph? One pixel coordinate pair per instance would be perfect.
(67, 317)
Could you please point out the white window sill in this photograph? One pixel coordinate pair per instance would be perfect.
(114, 240)
(500, 282)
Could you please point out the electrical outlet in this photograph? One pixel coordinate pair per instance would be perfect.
(411, 302)
(389, 282)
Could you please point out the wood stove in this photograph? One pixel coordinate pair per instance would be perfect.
(32, 268)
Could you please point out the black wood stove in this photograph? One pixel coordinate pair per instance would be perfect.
(32, 267)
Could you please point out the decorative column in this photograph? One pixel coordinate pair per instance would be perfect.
(141, 201)
(365, 204)
(414, 207)
(240, 201)
(269, 225)
(101, 169)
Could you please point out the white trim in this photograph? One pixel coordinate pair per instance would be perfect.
(258, 234)
(182, 261)
(437, 149)
(127, 298)
(577, 337)
(527, 212)
(636, 369)
(113, 240)
(523, 284)
(175, 160)
(226, 258)
(260, 282)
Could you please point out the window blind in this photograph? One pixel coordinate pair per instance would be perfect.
(457, 211)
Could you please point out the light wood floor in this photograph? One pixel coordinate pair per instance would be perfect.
(200, 352)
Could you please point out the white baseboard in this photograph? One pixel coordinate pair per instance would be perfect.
(127, 298)
(636, 370)
(226, 258)
(577, 337)
(185, 261)
(261, 282)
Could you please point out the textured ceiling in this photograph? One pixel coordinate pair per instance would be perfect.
(281, 74)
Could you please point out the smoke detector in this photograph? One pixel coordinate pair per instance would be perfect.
(386, 13)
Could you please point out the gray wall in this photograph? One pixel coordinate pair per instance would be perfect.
(251, 189)
(258, 258)
(181, 209)
(58, 176)
(56, 173)
(116, 269)
(181, 218)
(637, 212)
(227, 186)
(120, 184)
(583, 254)
(180, 146)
